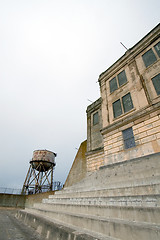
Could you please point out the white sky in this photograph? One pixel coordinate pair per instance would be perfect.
(51, 55)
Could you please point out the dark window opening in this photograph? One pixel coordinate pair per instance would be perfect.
(117, 109)
(156, 83)
(128, 138)
(127, 105)
(127, 102)
(122, 79)
(157, 48)
(113, 85)
(149, 58)
(95, 118)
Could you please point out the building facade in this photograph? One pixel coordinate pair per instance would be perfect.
(95, 150)
(125, 122)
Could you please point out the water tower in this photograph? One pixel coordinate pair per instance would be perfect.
(40, 174)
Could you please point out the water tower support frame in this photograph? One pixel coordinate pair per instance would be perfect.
(38, 179)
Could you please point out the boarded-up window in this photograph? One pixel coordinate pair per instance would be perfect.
(122, 78)
(95, 118)
(157, 48)
(117, 110)
(156, 83)
(113, 85)
(127, 102)
(128, 138)
(149, 58)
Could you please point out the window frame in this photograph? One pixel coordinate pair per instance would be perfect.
(122, 106)
(152, 79)
(120, 85)
(93, 118)
(145, 59)
(118, 100)
(154, 47)
(128, 140)
(155, 51)
(112, 87)
(117, 81)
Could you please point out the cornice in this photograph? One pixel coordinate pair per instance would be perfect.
(94, 106)
(130, 54)
(97, 150)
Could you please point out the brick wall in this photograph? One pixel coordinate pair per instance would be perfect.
(146, 132)
(95, 161)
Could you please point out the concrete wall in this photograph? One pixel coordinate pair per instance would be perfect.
(78, 169)
(36, 198)
(12, 200)
(22, 201)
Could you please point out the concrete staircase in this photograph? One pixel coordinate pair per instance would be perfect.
(120, 201)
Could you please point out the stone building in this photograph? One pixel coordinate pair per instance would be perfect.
(125, 122)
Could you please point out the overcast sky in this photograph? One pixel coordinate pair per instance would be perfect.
(51, 55)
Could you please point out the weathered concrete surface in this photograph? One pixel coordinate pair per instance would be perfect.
(78, 169)
(129, 213)
(119, 200)
(106, 226)
(12, 229)
(12, 200)
(36, 198)
(54, 230)
(22, 201)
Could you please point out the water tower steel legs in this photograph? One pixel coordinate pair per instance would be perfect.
(38, 179)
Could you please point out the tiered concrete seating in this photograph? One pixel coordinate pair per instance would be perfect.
(120, 201)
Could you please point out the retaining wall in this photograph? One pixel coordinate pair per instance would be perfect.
(22, 201)
(12, 200)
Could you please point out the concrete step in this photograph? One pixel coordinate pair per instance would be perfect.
(140, 168)
(52, 229)
(129, 184)
(106, 226)
(151, 189)
(138, 214)
(136, 200)
(112, 178)
(120, 201)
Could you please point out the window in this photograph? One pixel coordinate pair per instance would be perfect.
(114, 84)
(157, 48)
(128, 138)
(117, 110)
(127, 102)
(149, 58)
(122, 79)
(156, 83)
(95, 118)
(122, 105)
